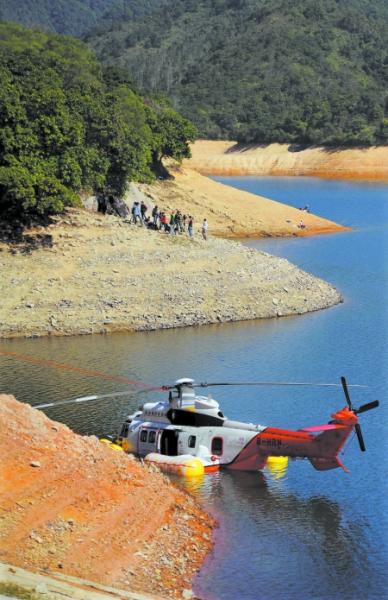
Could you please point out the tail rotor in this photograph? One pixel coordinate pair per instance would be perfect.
(361, 409)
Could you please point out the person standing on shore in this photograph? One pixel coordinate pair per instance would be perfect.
(204, 229)
(155, 215)
(136, 212)
(143, 211)
(172, 223)
(190, 226)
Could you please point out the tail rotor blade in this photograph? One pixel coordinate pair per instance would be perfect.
(346, 392)
(368, 406)
(357, 428)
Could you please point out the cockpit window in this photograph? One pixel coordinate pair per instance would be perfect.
(217, 445)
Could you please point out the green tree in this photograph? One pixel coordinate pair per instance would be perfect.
(171, 135)
(67, 125)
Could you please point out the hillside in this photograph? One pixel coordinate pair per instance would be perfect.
(72, 17)
(63, 16)
(305, 71)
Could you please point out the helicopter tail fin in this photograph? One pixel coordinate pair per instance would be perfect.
(328, 444)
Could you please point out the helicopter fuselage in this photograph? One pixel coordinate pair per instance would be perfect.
(190, 425)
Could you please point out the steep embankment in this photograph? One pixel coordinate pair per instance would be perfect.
(70, 504)
(99, 274)
(227, 158)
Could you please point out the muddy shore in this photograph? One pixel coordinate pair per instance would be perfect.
(228, 158)
(99, 274)
(71, 505)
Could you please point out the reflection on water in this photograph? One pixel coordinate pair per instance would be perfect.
(277, 466)
(295, 547)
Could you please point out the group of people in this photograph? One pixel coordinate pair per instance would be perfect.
(174, 224)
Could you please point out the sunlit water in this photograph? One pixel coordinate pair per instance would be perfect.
(291, 535)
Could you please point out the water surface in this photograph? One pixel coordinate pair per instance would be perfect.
(298, 534)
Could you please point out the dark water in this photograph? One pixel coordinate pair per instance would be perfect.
(300, 533)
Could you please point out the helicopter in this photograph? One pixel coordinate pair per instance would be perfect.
(189, 434)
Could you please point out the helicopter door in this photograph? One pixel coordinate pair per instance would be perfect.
(147, 441)
(169, 442)
(188, 443)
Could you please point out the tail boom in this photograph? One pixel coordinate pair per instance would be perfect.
(320, 444)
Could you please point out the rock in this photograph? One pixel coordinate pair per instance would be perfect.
(187, 594)
(41, 588)
(90, 203)
(35, 463)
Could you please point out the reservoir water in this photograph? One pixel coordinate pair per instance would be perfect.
(288, 535)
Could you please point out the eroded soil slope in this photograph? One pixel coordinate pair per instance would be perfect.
(228, 158)
(70, 504)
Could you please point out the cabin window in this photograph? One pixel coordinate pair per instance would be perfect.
(143, 436)
(152, 437)
(217, 445)
(192, 440)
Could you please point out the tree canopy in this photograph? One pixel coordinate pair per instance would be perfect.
(72, 17)
(303, 71)
(67, 124)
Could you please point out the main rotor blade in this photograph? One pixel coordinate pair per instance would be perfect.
(346, 392)
(357, 428)
(90, 398)
(368, 406)
(280, 383)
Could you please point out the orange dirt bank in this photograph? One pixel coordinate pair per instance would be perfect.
(70, 504)
(228, 158)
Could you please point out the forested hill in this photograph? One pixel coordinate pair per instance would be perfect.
(74, 17)
(306, 71)
(68, 126)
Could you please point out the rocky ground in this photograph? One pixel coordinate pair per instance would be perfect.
(69, 504)
(88, 273)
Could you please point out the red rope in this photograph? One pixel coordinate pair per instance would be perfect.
(89, 373)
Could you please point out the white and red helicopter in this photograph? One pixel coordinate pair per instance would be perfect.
(188, 433)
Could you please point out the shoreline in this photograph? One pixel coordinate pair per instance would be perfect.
(233, 213)
(226, 158)
(101, 275)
